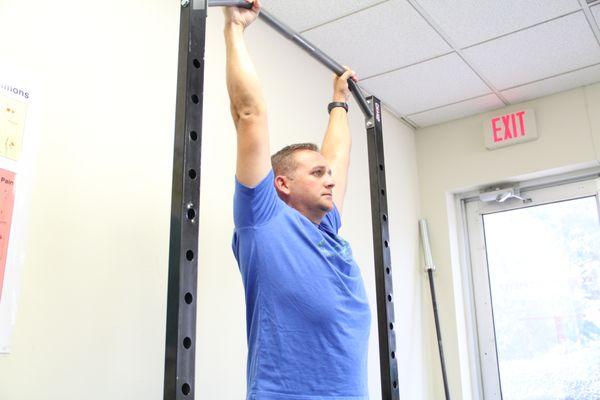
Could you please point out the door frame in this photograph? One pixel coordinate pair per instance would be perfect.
(481, 343)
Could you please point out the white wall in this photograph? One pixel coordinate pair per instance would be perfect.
(452, 158)
(91, 316)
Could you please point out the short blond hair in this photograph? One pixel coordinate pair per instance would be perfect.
(284, 163)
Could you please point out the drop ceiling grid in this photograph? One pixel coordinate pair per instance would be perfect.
(580, 77)
(420, 75)
(596, 13)
(427, 85)
(469, 22)
(458, 110)
(379, 39)
(456, 48)
(304, 15)
(545, 50)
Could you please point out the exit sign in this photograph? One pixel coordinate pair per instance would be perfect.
(508, 129)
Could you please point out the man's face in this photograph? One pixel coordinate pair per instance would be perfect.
(311, 184)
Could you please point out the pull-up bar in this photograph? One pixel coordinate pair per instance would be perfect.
(305, 45)
(180, 346)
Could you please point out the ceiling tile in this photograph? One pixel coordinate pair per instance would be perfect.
(379, 39)
(303, 15)
(458, 110)
(561, 45)
(557, 84)
(472, 21)
(427, 85)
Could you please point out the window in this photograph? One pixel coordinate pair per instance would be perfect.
(535, 276)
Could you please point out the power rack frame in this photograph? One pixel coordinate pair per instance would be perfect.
(183, 258)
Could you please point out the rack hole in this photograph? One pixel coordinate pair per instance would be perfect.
(384, 217)
(192, 173)
(391, 326)
(381, 167)
(186, 389)
(195, 99)
(393, 354)
(196, 63)
(189, 255)
(388, 270)
(395, 384)
(386, 244)
(194, 135)
(187, 342)
(383, 192)
(389, 297)
(191, 214)
(189, 298)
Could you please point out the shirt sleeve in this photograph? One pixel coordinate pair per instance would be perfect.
(255, 206)
(332, 221)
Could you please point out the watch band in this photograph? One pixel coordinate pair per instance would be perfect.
(335, 104)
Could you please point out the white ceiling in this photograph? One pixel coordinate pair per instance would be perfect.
(432, 61)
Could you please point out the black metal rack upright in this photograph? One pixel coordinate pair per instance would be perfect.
(383, 259)
(185, 197)
(183, 260)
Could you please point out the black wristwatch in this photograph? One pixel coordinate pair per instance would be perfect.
(335, 104)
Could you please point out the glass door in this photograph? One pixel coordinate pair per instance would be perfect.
(536, 280)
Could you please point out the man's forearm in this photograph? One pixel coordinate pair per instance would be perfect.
(336, 149)
(243, 85)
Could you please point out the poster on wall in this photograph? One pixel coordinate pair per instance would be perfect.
(16, 165)
(12, 121)
(7, 200)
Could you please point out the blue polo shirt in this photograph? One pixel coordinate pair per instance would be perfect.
(307, 312)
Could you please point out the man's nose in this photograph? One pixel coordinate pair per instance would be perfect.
(329, 183)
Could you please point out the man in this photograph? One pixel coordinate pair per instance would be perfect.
(307, 313)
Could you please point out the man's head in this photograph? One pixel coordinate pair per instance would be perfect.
(303, 179)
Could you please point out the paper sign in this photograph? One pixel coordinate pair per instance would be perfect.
(7, 199)
(12, 126)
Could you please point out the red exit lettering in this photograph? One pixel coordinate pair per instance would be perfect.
(508, 126)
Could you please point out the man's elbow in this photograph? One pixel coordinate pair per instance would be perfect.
(251, 112)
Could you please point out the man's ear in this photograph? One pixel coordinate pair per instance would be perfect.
(282, 184)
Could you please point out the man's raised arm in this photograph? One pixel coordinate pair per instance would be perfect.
(248, 108)
(337, 141)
